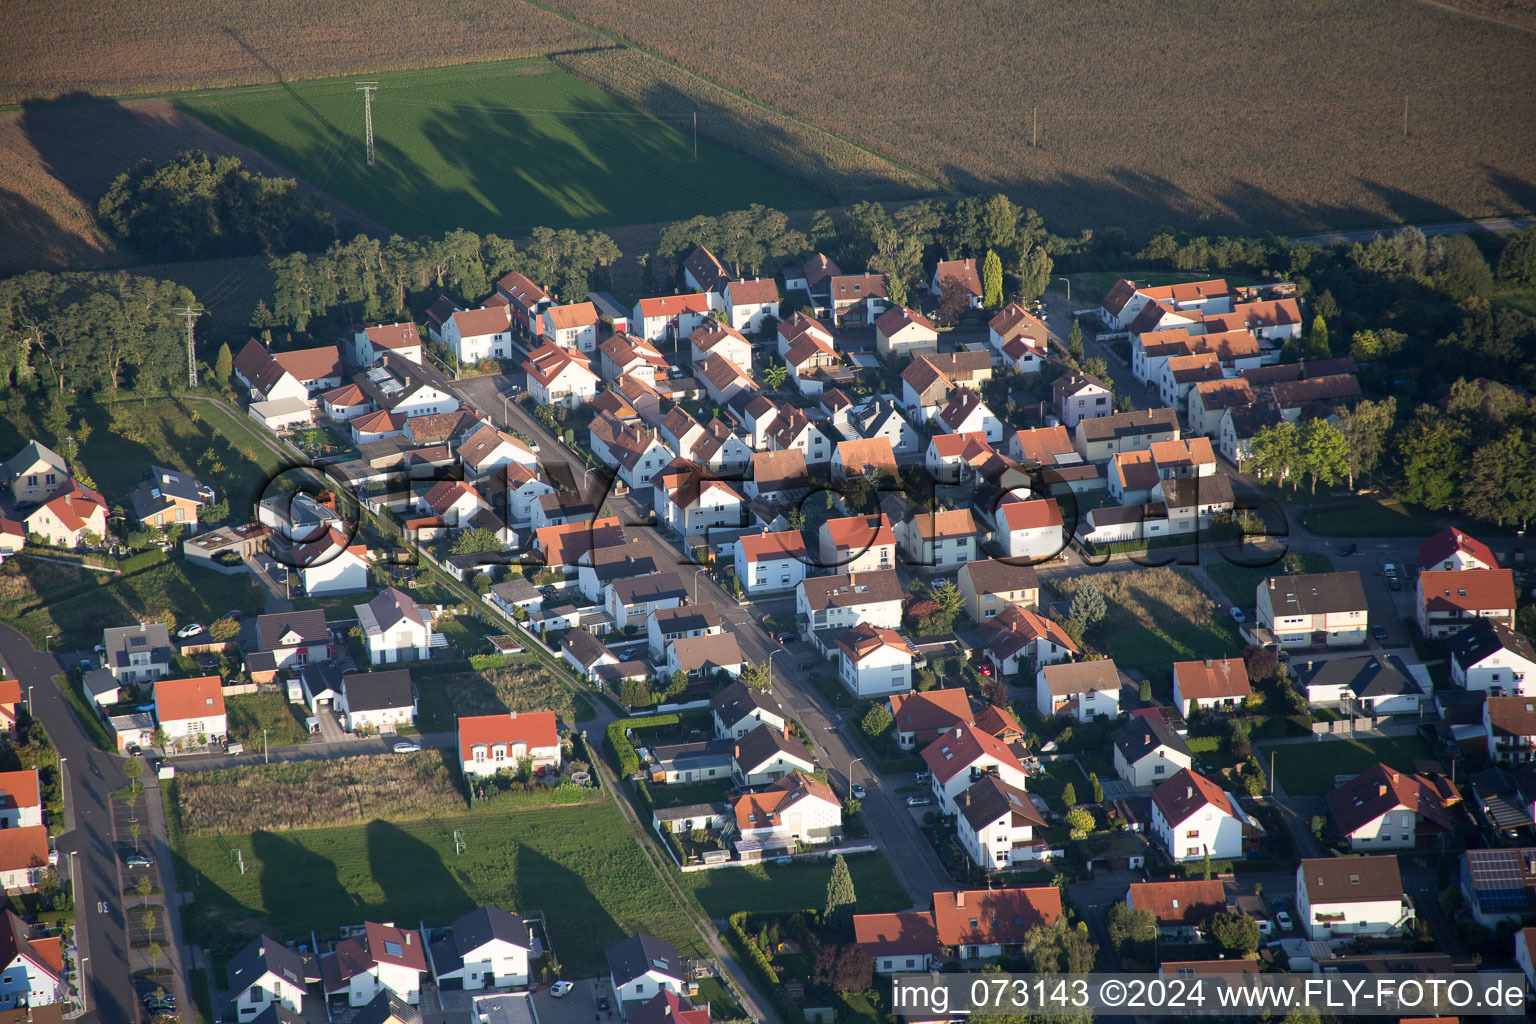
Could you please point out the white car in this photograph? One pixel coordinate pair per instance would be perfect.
(190, 629)
(407, 747)
(857, 791)
(560, 989)
(1283, 920)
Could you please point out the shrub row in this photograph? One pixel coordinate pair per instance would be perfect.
(761, 967)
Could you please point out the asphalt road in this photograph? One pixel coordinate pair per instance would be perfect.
(91, 776)
(1464, 227)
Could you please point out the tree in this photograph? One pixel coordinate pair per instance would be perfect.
(954, 301)
(1323, 452)
(1088, 605)
(1275, 451)
(1459, 268)
(1261, 662)
(1131, 932)
(1234, 931)
(475, 541)
(1060, 948)
(776, 376)
(1432, 456)
(1096, 367)
(992, 280)
(224, 364)
(755, 676)
(838, 909)
(1095, 787)
(1500, 484)
(1035, 266)
(1205, 868)
(1080, 820)
(143, 888)
(677, 683)
(1069, 796)
(1317, 339)
(877, 720)
(1145, 692)
(1075, 340)
(224, 629)
(1365, 429)
(1518, 260)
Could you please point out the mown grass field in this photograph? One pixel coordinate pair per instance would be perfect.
(1240, 582)
(1307, 769)
(579, 865)
(1368, 517)
(791, 887)
(497, 148)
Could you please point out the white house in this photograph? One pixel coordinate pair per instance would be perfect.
(378, 701)
(764, 756)
(294, 638)
(841, 602)
(1193, 817)
(738, 709)
(902, 332)
(669, 316)
(524, 487)
(329, 565)
(749, 303)
(996, 825)
(492, 743)
(940, 539)
(1385, 809)
(898, 943)
(30, 970)
(704, 656)
(1030, 529)
(394, 628)
(1086, 690)
(137, 654)
(572, 326)
(267, 972)
(726, 342)
(1318, 608)
(794, 430)
(961, 756)
(1018, 640)
(383, 959)
(486, 948)
(190, 709)
(965, 413)
(874, 663)
(1453, 549)
(370, 343)
(1488, 656)
(688, 499)
(559, 376)
(454, 502)
(641, 966)
(1452, 599)
(1079, 397)
(24, 857)
(1510, 723)
(796, 809)
(629, 602)
(857, 544)
(1020, 337)
(767, 562)
(265, 380)
(1341, 897)
(663, 626)
(476, 335)
(1213, 684)
(1147, 751)
(20, 802)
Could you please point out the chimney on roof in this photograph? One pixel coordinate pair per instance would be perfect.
(960, 900)
(1381, 789)
(1189, 792)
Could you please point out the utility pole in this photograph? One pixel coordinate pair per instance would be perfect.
(190, 313)
(695, 136)
(367, 88)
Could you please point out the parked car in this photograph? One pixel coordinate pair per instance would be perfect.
(1279, 905)
(1379, 632)
(919, 801)
(921, 776)
(561, 989)
(234, 613)
(1283, 921)
(1237, 614)
(1395, 583)
(1348, 549)
(189, 630)
(132, 750)
(407, 747)
(137, 860)
(785, 638)
(602, 1004)
(857, 790)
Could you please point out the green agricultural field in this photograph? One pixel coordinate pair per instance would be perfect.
(578, 865)
(501, 147)
(1307, 769)
(766, 888)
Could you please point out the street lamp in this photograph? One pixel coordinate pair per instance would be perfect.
(703, 568)
(48, 643)
(29, 700)
(264, 756)
(1069, 288)
(770, 666)
(850, 772)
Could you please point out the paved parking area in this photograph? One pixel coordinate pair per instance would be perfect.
(579, 1006)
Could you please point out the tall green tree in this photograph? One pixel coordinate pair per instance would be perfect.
(1365, 429)
(1500, 483)
(1088, 605)
(992, 280)
(1317, 339)
(1518, 260)
(224, 364)
(837, 912)
(1035, 266)
(1275, 452)
(1323, 453)
(1460, 270)
(1432, 456)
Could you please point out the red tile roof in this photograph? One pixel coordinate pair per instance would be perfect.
(910, 932)
(574, 315)
(760, 291)
(1031, 515)
(565, 544)
(863, 640)
(475, 323)
(984, 916)
(763, 809)
(531, 728)
(307, 364)
(1186, 793)
(928, 714)
(1014, 321)
(393, 336)
(860, 533)
(1212, 679)
(522, 291)
(755, 547)
(19, 789)
(1380, 789)
(346, 395)
(898, 317)
(672, 305)
(962, 746)
(25, 847)
(178, 700)
(549, 360)
(963, 271)
(1189, 291)
(1434, 551)
(1468, 589)
(1179, 903)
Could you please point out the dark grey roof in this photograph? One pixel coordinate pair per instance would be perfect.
(739, 700)
(991, 798)
(995, 575)
(263, 955)
(309, 625)
(321, 676)
(854, 589)
(687, 618)
(634, 956)
(483, 924)
(1188, 491)
(587, 649)
(1367, 676)
(1500, 796)
(387, 1008)
(760, 746)
(277, 1013)
(160, 485)
(1144, 734)
(694, 755)
(378, 691)
(656, 586)
(1485, 637)
(120, 641)
(390, 606)
(517, 591)
(99, 681)
(1316, 593)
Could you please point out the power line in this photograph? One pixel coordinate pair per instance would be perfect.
(367, 88)
(190, 314)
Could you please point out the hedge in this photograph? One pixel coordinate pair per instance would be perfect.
(758, 963)
(621, 751)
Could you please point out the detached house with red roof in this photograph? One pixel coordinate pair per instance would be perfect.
(402, 340)
(900, 942)
(941, 538)
(571, 326)
(558, 376)
(768, 562)
(383, 959)
(1018, 640)
(922, 717)
(1385, 809)
(1020, 337)
(1030, 529)
(1452, 549)
(454, 501)
(961, 756)
(902, 332)
(1180, 907)
(1215, 684)
(1450, 600)
(962, 272)
(670, 316)
(874, 662)
(748, 304)
(492, 743)
(23, 857)
(793, 810)
(857, 544)
(476, 335)
(31, 969)
(979, 924)
(21, 804)
(190, 710)
(688, 499)
(1193, 817)
(713, 339)
(73, 515)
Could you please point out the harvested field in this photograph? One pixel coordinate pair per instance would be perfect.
(273, 797)
(522, 687)
(1156, 617)
(59, 159)
(146, 46)
(1239, 115)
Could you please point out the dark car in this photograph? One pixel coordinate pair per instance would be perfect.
(1395, 582)
(602, 1004)
(1379, 632)
(785, 638)
(1349, 549)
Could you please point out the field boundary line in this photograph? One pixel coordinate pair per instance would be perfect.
(621, 41)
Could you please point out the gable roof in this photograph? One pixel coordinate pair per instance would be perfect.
(963, 272)
(761, 746)
(853, 287)
(549, 360)
(898, 318)
(989, 798)
(704, 268)
(390, 606)
(983, 916)
(765, 808)
(1315, 593)
(1356, 879)
(1369, 675)
(852, 590)
(1212, 679)
(531, 728)
(1129, 424)
(309, 625)
(178, 700)
(1044, 444)
(963, 402)
(1485, 637)
(961, 746)
(1071, 677)
(1511, 716)
(1434, 551)
(1073, 382)
(633, 957)
(378, 691)
(1179, 903)
(757, 547)
(1186, 793)
(864, 639)
(1380, 789)
(667, 306)
(1016, 627)
(943, 524)
(710, 652)
(521, 290)
(738, 701)
(909, 932)
(1467, 589)
(24, 847)
(1030, 515)
(1014, 321)
(571, 316)
(1144, 735)
(926, 714)
(309, 364)
(393, 336)
(759, 291)
(266, 954)
(999, 576)
(485, 924)
(41, 952)
(667, 1007)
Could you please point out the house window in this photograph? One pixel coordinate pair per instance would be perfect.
(1193, 833)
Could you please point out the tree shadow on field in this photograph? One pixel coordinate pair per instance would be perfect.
(417, 884)
(300, 889)
(580, 926)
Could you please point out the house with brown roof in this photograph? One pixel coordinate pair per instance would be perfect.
(1450, 600)
(723, 380)
(937, 539)
(1193, 817)
(1020, 337)
(1017, 640)
(475, 335)
(1209, 401)
(924, 388)
(964, 412)
(1452, 549)
(624, 354)
(996, 826)
(1125, 300)
(796, 809)
(1274, 320)
(704, 656)
(712, 339)
(1340, 897)
(1385, 809)
(835, 603)
(960, 756)
(863, 457)
(898, 943)
(793, 429)
(562, 547)
(383, 959)
(874, 662)
(1180, 907)
(559, 376)
(749, 305)
(901, 332)
(922, 716)
(402, 340)
(1315, 397)
(964, 273)
(1098, 439)
(979, 924)
(690, 499)
(1085, 690)
(814, 365)
(1078, 397)
(857, 544)
(631, 448)
(989, 585)
(526, 300)
(764, 756)
(1215, 684)
(1511, 726)
(1313, 609)
(265, 379)
(860, 298)
(1147, 751)
(1181, 373)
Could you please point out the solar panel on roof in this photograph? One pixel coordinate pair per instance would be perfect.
(1498, 878)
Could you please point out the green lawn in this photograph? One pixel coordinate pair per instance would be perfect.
(249, 713)
(497, 147)
(1240, 582)
(1307, 769)
(1156, 617)
(579, 865)
(1370, 518)
(775, 888)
